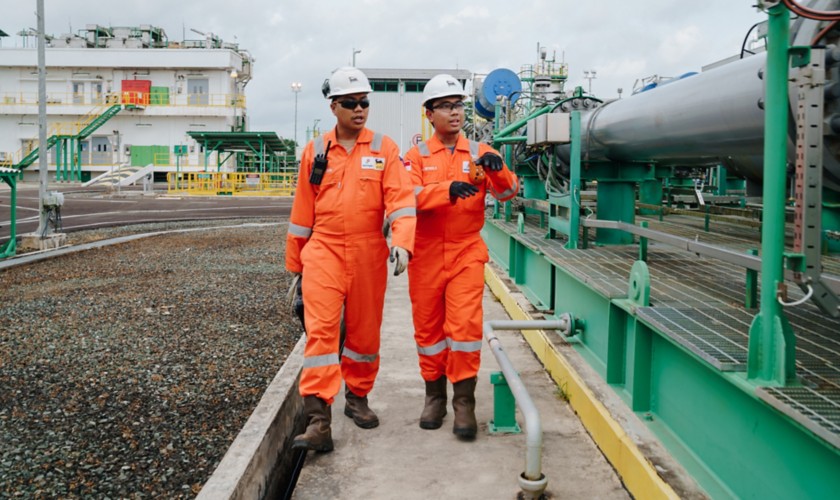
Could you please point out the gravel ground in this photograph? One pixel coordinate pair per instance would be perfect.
(126, 372)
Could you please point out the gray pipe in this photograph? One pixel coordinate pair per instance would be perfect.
(532, 482)
(699, 119)
(714, 117)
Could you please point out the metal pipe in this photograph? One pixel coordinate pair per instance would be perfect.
(715, 117)
(533, 482)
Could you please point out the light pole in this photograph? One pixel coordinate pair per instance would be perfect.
(354, 56)
(234, 75)
(589, 75)
(296, 86)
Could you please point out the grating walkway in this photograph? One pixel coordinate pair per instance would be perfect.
(699, 303)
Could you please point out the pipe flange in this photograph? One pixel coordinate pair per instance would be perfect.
(532, 489)
(567, 325)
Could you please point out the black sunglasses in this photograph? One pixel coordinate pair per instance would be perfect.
(352, 103)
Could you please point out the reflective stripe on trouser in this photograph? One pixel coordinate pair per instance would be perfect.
(351, 274)
(447, 308)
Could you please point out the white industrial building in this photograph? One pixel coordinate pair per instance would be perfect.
(162, 90)
(396, 108)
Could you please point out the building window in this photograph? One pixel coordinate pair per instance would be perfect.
(414, 86)
(384, 86)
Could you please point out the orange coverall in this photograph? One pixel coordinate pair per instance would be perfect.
(335, 239)
(446, 273)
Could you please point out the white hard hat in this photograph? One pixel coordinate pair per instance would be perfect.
(442, 86)
(345, 81)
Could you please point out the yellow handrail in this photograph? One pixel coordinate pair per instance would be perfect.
(148, 99)
(232, 183)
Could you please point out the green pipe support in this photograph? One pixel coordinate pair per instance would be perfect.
(772, 348)
(574, 181)
(504, 407)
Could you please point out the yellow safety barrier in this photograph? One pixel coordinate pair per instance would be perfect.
(232, 183)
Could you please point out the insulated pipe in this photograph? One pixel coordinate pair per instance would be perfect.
(532, 482)
(714, 117)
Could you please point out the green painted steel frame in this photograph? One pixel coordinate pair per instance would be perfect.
(733, 443)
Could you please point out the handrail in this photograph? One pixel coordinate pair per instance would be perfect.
(740, 259)
(532, 482)
(226, 100)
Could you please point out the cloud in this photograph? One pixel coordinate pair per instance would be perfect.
(303, 41)
(677, 46)
(466, 15)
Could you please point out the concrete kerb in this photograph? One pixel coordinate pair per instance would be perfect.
(37, 256)
(259, 462)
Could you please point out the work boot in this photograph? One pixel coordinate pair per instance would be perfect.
(435, 409)
(357, 408)
(463, 402)
(317, 435)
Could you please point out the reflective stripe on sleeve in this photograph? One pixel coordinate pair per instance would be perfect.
(507, 192)
(433, 349)
(418, 189)
(473, 346)
(360, 358)
(302, 231)
(322, 360)
(402, 212)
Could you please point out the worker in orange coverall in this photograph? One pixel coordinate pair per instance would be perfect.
(451, 176)
(350, 180)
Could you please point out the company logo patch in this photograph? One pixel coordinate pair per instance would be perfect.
(429, 168)
(373, 163)
(465, 167)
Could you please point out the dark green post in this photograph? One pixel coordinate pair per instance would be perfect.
(751, 293)
(504, 407)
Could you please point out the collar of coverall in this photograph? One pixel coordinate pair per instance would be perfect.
(435, 145)
(365, 136)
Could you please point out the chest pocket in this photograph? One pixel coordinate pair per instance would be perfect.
(369, 193)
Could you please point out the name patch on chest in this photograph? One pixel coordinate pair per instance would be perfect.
(373, 163)
(430, 168)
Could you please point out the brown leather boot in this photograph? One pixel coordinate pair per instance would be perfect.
(463, 402)
(317, 435)
(357, 408)
(435, 409)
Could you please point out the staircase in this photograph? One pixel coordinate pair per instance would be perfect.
(78, 130)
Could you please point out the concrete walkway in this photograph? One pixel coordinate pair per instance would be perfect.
(400, 460)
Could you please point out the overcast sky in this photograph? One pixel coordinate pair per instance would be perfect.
(303, 41)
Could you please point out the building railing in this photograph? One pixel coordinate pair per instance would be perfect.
(144, 99)
(232, 183)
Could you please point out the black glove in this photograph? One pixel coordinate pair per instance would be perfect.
(461, 190)
(492, 161)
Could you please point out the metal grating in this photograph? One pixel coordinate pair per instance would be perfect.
(713, 334)
(699, 303)
(817, 410)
